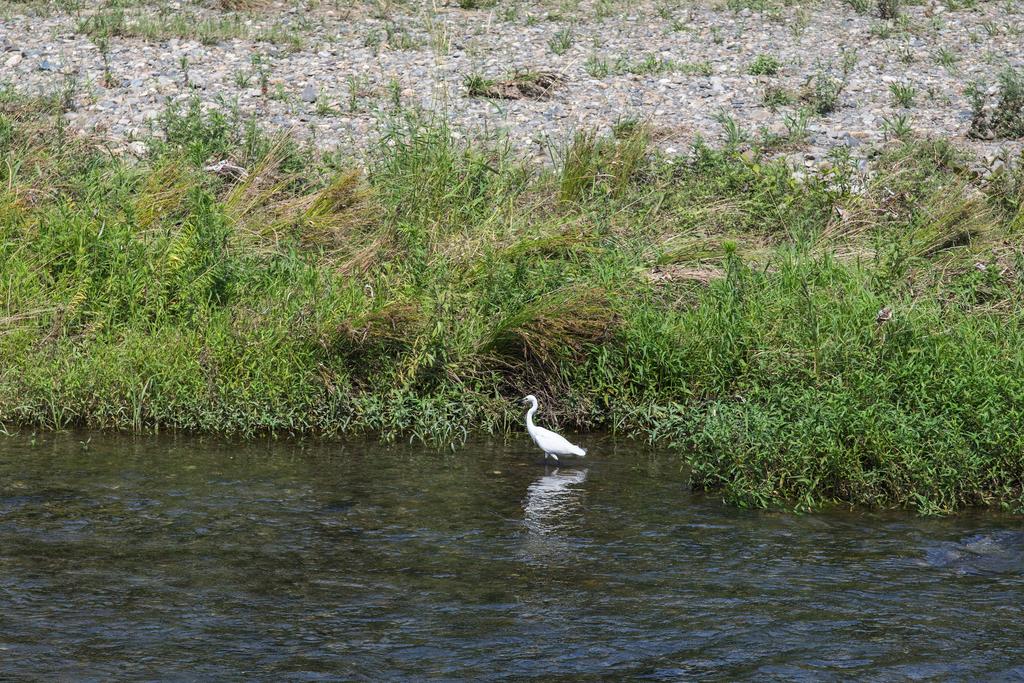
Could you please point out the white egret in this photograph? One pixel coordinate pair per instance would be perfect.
(552, 444)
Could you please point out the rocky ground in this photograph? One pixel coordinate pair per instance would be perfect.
(339, 73)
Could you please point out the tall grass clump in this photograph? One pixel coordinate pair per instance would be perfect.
(799, 343)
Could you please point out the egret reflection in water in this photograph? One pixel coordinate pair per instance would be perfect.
(554, 500)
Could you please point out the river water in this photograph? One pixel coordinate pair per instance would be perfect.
(178, 558)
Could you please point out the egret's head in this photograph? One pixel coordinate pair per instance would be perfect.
(529, 399)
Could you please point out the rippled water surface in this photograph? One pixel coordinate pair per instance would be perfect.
(184, 559)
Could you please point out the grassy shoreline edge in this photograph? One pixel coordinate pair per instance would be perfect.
(838, 338)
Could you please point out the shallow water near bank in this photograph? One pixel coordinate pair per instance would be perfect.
(179, 558)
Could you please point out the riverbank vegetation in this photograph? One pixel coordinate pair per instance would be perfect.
(799, 341)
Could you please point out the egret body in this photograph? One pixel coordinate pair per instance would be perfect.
(552, 444)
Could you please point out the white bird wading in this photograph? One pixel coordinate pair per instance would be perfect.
(552, 444)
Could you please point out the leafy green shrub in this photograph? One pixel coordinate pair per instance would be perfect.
(1005, 118)
(822, 92)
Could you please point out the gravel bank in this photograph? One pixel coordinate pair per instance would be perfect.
(337, 74)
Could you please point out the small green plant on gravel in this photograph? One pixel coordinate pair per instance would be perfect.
(860, 6)
(800, 22)
(765, 65)
(735, 135)
(947, 59)
(822, 91)
(102, 43)
(477, 85)
(776, 15)
(399, 39)
(324, 106)
(1008, 118)
(993, 58)
(903, 94)
(848, 58)
(597, 67)
(883, 30)
(382, 9)
(373, 40)
(776, 96)
(796, 126)
(604, 9)
(562, 41)
(976, 93)
(358, 89)
(262, 73)
(1004, 118)
(888, 9)
(395, 92)
(183, 64)
(897, 127)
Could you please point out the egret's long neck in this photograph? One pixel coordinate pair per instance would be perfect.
(529, 418)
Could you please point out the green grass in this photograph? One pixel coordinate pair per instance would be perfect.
(765, 65)
(651, 65)
(713, 303)
(823, 92)
(903, 94)
(117, 22)
(562, 41)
